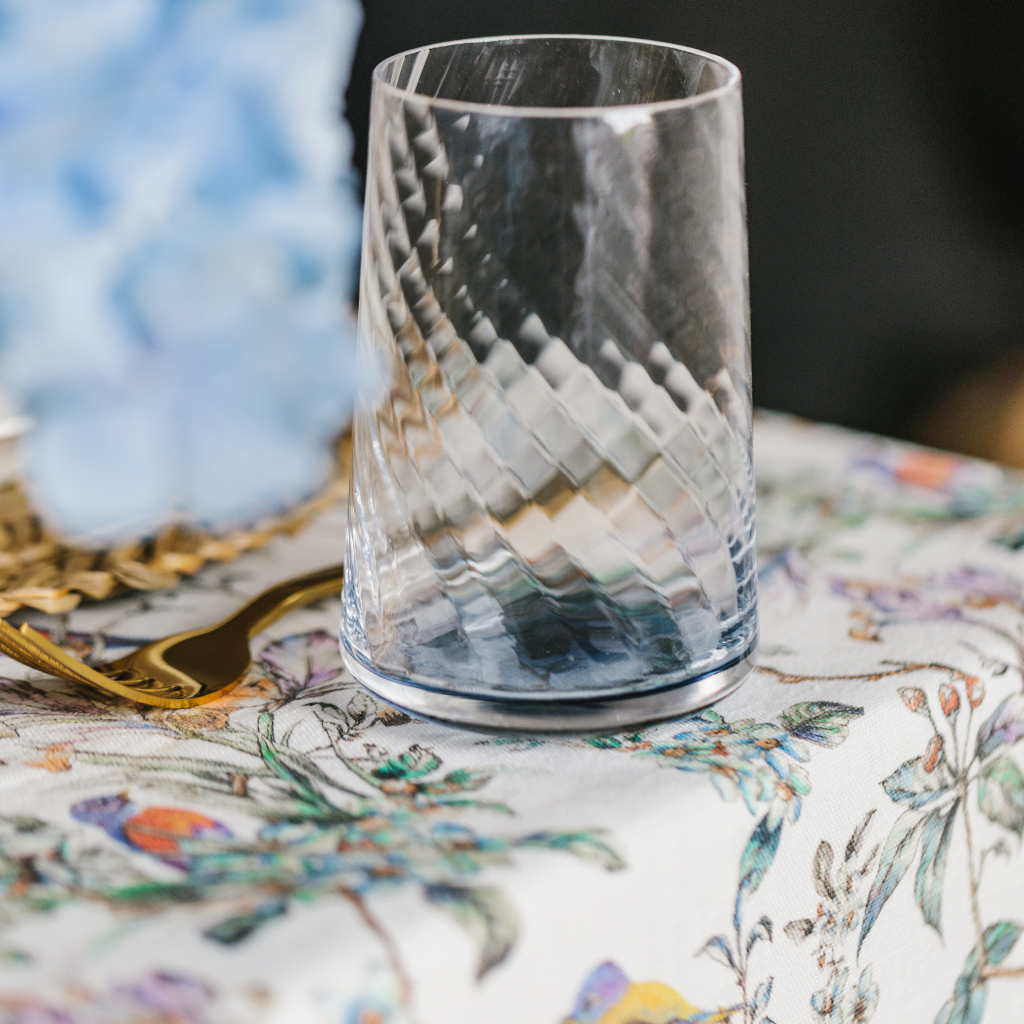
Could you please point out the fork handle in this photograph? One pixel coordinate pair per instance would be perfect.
(278, 601)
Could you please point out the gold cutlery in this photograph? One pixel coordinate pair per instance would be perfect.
(184, 669)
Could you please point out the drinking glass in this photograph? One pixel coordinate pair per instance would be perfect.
(551, 517)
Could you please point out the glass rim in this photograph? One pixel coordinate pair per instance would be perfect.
(508, 110)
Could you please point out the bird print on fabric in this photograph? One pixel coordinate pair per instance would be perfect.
(192, 842)
(170, 833)
(609, 997)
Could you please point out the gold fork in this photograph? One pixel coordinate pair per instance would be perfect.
(184, 669)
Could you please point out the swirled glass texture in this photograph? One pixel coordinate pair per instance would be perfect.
(552, 496)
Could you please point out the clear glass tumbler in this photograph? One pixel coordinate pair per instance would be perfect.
(551, 520)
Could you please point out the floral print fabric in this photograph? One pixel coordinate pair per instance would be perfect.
(837, 841)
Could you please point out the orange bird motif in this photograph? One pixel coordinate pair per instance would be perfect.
(164, 832)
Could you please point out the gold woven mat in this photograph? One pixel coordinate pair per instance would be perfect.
(37, 570)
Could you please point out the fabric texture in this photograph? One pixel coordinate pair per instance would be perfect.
(839, 840)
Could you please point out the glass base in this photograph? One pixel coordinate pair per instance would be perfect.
(559, 713)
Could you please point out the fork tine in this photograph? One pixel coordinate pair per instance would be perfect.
(20, 647)
(48, 657)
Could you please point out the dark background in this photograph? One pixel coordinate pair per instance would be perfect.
(885, 178)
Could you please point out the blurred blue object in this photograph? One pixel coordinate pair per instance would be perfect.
(179, 232)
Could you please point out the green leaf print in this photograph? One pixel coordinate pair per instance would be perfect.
(235, 929)
(1004, 726)
(416, 761)
(1001, 794)
(800, 929)
(970, 993)
(459, 781)
(821, 871)
(718, 948)
(300, 781)
(486, 914)
(999, 939)
(585, 845)
(931, 872)
(919, 781)
(759, 853)
(966, 1007)
(759, 933)
(897, 854)
(820, 721)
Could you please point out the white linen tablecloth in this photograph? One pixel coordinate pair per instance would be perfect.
(840, 840)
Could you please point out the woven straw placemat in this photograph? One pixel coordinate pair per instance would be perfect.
(38, 570)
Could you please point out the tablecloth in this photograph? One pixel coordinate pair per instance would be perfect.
(839, 840)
